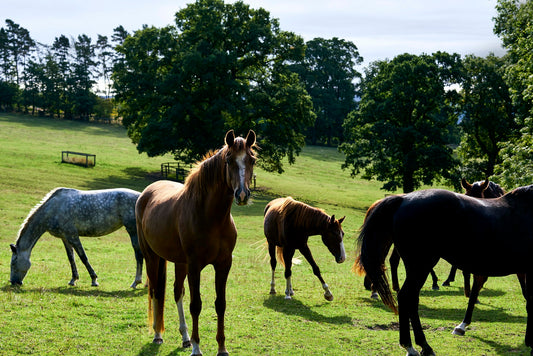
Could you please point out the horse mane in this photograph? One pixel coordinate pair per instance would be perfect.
(209, 169)
(35, 209)
(301, 214)
(493, 190)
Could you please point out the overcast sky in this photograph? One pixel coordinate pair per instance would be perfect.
(379, 28)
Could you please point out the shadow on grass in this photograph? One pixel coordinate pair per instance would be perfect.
(67, 290)
(502, 349)
(295, 307)
(153, 349)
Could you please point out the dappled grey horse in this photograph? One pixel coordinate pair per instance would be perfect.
(70, 213)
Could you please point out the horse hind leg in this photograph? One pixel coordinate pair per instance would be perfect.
(132, 231)
(179, 292)
(75, 242)
(73, 268)
(288, 254)
(156, 269)
(273, 262)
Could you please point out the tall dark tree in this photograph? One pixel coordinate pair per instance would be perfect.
(82, 77)
(514, 25)
(489, 116)
(329, 73)
(105, 66)
(19, 46)
(223, 66)
(400, 132)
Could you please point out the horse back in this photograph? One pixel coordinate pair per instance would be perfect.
(472, 234)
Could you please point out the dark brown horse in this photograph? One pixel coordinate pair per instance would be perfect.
(495, 235)
(288, 224)
(484, 190)
(191, 225)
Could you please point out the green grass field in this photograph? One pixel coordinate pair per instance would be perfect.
(47, 317)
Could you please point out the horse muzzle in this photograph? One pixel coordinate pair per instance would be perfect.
(340, 259)
(242, 196)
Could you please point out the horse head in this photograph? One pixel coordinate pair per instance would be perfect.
(333, 239)
(240, 160)
(476, 190)
(20, 265)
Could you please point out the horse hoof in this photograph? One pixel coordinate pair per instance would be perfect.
(225, 353)
(435, 287)
(288, 297)
(186, 344)
(272, 292)
(375, 295)
(157, 340)
(71, 283)
(95, 284)
(446, 284)
(329, 297)
(459, 331)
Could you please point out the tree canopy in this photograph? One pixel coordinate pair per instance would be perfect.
(329, 73)
(401, 130)
(222, 66)
(514, 25)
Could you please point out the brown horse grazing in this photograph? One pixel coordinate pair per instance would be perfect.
(288, 224)
(484, 190)
(191, 225)
(431, 224)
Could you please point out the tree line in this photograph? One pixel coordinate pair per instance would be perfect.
(409, 121)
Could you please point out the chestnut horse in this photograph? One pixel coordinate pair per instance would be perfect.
(495, 236)
(288, 224)
(191, 225)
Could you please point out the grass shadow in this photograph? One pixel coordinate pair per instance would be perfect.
(149, 349)
(502, 349)
(67, 290)
(296, 307)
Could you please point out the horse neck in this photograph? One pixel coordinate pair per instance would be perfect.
(316, 221)
(32, 229)
(210, 190)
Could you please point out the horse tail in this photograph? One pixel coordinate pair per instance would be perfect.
(374, 243)
(279, 253)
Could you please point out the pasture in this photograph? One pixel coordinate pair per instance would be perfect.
(46, 316)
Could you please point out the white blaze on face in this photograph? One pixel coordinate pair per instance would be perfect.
(242, 167)
(343, 251)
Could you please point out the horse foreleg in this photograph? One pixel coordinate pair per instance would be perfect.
(306, 252)
(195, 307)
(221, 278)
(70, 255)
(273, 262)
(451, 276)
(472, 299)
(394, 261)
(288, 254)
(76, 243)
(157, 280)
(179, 291)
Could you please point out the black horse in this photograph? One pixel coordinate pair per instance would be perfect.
(495, 235)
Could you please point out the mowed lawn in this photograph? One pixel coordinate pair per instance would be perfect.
(47, 317)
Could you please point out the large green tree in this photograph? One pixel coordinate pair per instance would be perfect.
(514, 25)
(488, 115)
(329, 73)
(222, 66)
(401, 131)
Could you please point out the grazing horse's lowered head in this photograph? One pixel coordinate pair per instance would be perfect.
(332, 237)
(19, 267)
(239, 155)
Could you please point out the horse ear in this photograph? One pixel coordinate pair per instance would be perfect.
(230, 138)
(342, 219)
(13, 248)
(465, 184)
(332, 219)
(485, 184)
(250, 138)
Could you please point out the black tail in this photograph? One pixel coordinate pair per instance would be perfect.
(374, 243)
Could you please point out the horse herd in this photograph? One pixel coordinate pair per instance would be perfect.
(191, 225)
